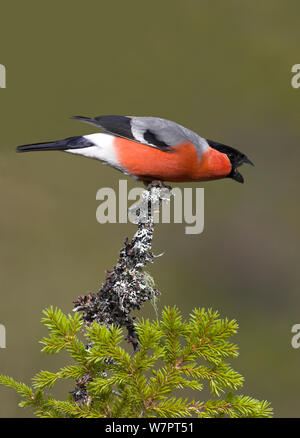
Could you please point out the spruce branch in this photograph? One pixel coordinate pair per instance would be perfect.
(142, 384)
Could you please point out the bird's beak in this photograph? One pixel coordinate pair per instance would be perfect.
(247, 160)
(235, 174)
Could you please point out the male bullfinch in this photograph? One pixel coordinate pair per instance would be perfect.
(151, 148)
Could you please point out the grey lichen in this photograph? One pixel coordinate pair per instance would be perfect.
(127, 286)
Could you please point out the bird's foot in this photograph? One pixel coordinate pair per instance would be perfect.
(156, 184)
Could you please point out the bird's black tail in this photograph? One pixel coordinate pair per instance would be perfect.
(59, 145)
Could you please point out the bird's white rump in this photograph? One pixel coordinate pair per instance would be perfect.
(102, 150)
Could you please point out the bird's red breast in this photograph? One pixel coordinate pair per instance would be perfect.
(180, 164)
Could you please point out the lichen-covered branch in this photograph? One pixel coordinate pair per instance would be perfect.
(127, 286)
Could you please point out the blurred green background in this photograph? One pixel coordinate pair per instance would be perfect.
(221, 68)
